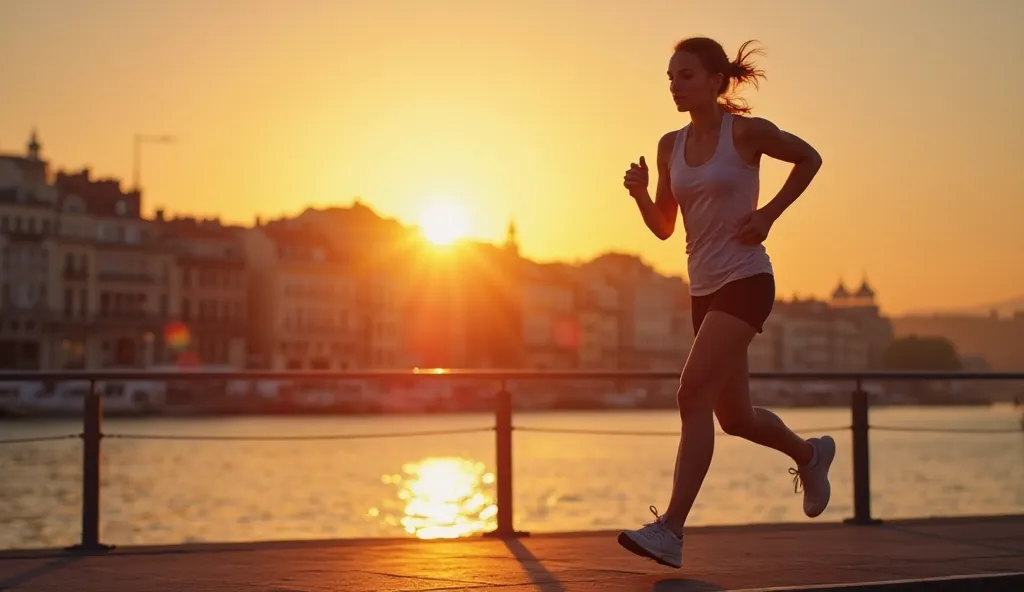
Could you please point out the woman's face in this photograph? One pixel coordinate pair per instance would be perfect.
(691, 85)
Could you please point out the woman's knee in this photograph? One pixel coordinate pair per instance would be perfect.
(694, 394)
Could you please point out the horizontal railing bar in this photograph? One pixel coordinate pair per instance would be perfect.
(491, 374)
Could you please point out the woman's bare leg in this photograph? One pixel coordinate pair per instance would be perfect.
(721, 342)
(813, 457)
(738, 417)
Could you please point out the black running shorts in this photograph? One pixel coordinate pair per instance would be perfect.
(749, 299)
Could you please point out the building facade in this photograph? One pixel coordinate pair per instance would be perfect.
(114, 263)
(28, 259)
(302, 302)
(212, 320)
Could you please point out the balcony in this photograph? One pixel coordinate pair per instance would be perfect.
(136, 277)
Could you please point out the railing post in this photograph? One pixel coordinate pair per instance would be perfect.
(503, 460)
(92, 425)
(861, 459)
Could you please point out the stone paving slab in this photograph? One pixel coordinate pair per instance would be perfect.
(782, 557)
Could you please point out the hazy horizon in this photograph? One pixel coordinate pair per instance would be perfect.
(533, 111)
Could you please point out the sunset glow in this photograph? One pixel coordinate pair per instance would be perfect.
(528, 111)
(444, 223)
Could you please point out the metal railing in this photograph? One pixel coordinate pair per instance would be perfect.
(92, 421)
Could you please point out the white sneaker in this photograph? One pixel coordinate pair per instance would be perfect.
(654, 540)
(814, 477)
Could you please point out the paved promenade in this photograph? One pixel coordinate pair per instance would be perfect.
(781, 557)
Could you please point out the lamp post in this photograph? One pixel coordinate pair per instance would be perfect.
(137, 168)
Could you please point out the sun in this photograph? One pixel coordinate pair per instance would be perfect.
(444, 223)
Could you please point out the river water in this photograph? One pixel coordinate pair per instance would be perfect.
(159, 491)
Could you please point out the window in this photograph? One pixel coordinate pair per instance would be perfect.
(23, 296)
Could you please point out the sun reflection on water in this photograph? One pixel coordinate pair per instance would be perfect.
(444, 497)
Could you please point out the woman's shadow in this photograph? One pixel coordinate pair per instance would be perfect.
(545, 581)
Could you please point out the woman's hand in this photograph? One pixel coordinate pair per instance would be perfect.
(637, 179)
(754, 227)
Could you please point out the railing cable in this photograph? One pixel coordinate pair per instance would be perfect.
(885, 428)
(39, 439)
(312, 437)
(646, 432)
(477, 430)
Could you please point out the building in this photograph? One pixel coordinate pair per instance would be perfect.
(811, 336)
(843, 334)
(378, 252)
(862, 310)
(302, 302)
(597, 302)
(550, 325)
(119, 288)
(654, 322)
(491, 284)
(28, 261)
(213, 291)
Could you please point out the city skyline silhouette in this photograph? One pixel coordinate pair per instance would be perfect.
(509, 115)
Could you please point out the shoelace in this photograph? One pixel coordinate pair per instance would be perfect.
(798, 481)
(658, 526)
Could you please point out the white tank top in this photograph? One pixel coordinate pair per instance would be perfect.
(713, 197)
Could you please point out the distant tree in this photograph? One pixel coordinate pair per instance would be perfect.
(917, 353)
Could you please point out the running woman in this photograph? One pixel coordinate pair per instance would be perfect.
(709, 170)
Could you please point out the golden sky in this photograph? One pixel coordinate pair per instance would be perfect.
(533, 109)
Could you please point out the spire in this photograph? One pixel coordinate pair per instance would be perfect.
(34, 147)
(511, 240)
(865, 292)
(840, 293)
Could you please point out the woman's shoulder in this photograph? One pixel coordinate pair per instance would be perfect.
(667, 143)
(748, 125)
(669, 137)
